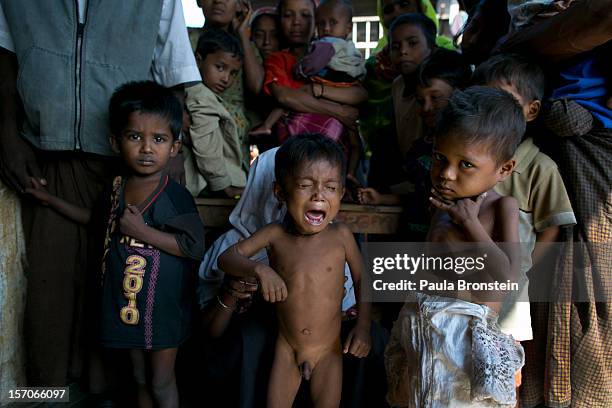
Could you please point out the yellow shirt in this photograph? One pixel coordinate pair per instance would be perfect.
(538, 188)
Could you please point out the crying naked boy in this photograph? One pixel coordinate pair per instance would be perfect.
(307, 254)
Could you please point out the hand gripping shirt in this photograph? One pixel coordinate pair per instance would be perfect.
(147, 294)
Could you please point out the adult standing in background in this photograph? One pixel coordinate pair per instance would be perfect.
(62, 60)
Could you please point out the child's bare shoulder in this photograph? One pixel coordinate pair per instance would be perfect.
(342, 234)
(505, 216)
(272, 230)
(340, 230)
(503, 204)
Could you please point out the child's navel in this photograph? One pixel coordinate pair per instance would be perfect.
(306, 332)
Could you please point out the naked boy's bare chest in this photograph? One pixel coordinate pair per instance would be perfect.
(313, 270)
(310, 263)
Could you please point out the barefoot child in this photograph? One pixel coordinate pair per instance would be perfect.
(462, 357)
(307, 253)
(151, 232)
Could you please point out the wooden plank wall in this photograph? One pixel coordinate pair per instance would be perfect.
(362, 219)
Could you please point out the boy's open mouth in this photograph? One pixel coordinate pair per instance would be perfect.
(314, 217)
(146, 162)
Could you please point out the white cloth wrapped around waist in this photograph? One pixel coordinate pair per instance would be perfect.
(450, 353)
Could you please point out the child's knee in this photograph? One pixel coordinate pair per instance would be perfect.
(139, 371)
(162, 382)
(140, 377)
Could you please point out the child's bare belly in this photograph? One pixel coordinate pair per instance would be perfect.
(309, 323)
(310, 317)
(305, 325)
(311, 314)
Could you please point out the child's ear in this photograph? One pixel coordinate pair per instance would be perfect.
(199, 60)
(278, 192)
(175, 148)
(534, 110)
(506, 169)
(114, 142)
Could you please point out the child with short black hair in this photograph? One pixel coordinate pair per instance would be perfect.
(215, 161)
(447, 351)
(535, 181)
(436, 78)
(307, 254)
(150, 233)
(412, 38)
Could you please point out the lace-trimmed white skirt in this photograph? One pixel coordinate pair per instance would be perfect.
(450, 353)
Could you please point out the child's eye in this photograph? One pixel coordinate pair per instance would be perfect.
(331, 188)
(466, 165)
(438, 156)
(304, 185)
(220, 67)
(159, 139)
(133, 136)
(413, 43)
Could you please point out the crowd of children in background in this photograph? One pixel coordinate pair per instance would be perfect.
(455, 140)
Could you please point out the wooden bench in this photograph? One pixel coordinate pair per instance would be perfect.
(362, 219)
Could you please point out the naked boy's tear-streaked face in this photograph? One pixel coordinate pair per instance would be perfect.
(313, 195)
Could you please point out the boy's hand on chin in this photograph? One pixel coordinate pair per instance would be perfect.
(358, 342)
(132, 223)
(273, 288)
(460, 211)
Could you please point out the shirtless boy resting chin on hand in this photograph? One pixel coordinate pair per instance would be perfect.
(307, 254)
